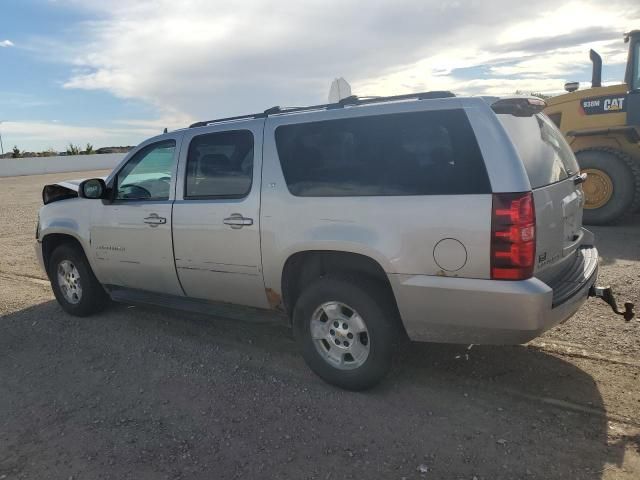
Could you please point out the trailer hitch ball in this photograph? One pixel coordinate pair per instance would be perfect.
(606, 294)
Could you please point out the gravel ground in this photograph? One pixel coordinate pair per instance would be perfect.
(144, 393)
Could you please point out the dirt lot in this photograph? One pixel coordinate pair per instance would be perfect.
(143, 393)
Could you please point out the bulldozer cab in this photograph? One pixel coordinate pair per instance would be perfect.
(632, 77)
(602, 125)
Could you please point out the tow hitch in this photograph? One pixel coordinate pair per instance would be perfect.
(606, 294)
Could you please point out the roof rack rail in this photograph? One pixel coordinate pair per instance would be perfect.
(226, 119)
(352, 100)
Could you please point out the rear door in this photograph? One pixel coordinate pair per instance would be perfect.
(553, 171)
(216, 214)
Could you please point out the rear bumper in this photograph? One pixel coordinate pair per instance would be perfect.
(463, 310)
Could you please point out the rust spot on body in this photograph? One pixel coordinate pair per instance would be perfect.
(274, 299)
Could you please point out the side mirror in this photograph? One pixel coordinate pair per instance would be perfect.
(94, 188)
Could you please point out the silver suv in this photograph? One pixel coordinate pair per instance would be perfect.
(443, 218)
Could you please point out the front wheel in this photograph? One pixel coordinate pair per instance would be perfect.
(74, 285)
(346, 328)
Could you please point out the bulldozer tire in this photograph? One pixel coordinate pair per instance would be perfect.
(612, 188)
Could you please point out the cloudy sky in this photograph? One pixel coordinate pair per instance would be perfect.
(113, 72)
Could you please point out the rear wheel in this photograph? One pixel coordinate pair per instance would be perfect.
(610, 188)
(74, 285)
(346, 329)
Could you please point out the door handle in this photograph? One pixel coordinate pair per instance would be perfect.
(154, 220)
(236, 220)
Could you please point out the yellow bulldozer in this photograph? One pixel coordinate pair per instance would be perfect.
(602, 125)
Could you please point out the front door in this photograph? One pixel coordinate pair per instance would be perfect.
(131, 237)
(216, 229)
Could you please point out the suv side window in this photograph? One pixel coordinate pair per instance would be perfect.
(220, 165)
(417, 153)
(147, 175)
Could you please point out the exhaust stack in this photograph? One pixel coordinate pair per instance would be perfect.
(596, 75)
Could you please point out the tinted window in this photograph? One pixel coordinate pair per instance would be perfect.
(147, 175)
(546, 155)
(220, 165)
(422, 153)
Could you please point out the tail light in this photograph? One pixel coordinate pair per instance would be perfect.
(513, 236)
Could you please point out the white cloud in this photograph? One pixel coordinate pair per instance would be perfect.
(200, 59)
(21, 100)
(569, 17)
(6, 43)
(40, 135)
(207, 58)
(170, 120)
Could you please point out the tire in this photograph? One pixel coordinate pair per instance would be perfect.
(347, 299)
(68, 270)
(624, 177)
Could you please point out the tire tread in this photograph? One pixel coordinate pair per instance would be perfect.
(633, 165)
(94, 297)
(369, 374)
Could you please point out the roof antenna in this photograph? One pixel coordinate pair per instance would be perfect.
(339, 90)
(165, 130)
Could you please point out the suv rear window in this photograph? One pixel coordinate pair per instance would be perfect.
(546, 155)
(421, 153)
